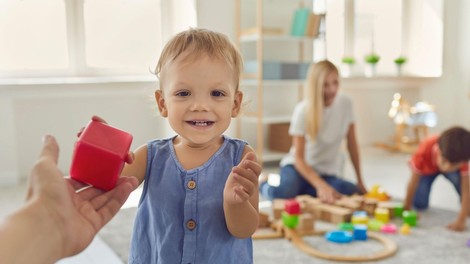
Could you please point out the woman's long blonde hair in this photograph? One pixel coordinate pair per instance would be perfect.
(314, 84)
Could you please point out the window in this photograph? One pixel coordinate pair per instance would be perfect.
(389, 28)
(86, 37)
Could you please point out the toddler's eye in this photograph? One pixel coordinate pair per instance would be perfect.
(183, 93)
(217, 93)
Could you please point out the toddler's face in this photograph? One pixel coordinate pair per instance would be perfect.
(199, 98)
(447, 166)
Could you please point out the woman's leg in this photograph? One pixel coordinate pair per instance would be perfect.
(291, 184)
(340, 185)
(421, 199)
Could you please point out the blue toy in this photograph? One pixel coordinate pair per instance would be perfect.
(339, 236)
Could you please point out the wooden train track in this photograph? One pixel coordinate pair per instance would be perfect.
(390, 247)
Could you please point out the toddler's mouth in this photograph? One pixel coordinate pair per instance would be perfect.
(200, 123)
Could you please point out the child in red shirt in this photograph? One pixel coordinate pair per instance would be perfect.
(447, 154)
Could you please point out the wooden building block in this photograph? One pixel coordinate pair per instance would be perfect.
(263, 220)
(278, 207)
(306, 223)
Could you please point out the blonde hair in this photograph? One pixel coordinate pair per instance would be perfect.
(314, 84)
(197, 42)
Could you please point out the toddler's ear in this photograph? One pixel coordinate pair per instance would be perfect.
(237, 103)
(159, 98)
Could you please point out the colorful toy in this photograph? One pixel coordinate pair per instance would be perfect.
(290, 216)
(410, 217)
(378, 193)
(346, 226)
(398, 210)
(405, 229)
(382, 215)
(339, 236)
(360, 232)
(359, 217)
(389, 228)
(313, 208)
(99, 155)
(374, 225)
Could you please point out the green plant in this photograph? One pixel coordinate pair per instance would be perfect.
(348, 60)
(372, 58)
(400, 60)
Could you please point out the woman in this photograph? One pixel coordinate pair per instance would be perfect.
(318, 126)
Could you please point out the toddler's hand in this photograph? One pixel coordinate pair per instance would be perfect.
(242, 182)
(130, 156)
(457, 225)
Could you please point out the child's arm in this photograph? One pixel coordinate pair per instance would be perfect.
(139, 165)
(460, 222)
(411, 190)
(241, 196)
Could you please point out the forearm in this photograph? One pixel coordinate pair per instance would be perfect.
(241, 219)
(29, 236)
(355, 160)
(465, 203)
(308, 173)
(411, 190)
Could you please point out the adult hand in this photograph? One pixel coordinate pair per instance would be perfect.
(326, 193)
(76, 215)
(243, 180)
(457, 225)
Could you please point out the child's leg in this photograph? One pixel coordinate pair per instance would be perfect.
(455, 179)
(421, 198)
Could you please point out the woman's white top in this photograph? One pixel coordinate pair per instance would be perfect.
(324, 154)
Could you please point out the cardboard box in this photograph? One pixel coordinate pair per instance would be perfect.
(279, 138)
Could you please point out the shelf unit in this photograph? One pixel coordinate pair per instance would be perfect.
(254, 83)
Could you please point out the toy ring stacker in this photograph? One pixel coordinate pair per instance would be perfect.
(390, 247)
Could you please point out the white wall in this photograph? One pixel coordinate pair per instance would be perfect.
(30, 111)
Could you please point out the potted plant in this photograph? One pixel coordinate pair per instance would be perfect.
(399, 63)
(348, 63)
(371, 60)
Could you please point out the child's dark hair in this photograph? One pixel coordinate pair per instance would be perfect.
(454, 144)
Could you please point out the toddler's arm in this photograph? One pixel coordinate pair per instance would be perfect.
(241, 196)
(460, 222)
(411, 190)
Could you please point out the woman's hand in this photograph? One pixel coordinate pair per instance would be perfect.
(326, 193)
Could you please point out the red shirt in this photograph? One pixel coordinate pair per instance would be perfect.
(424, 160)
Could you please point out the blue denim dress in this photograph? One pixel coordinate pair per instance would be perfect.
(180, 218)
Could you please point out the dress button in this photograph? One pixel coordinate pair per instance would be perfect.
(191, 184)
(191, 224)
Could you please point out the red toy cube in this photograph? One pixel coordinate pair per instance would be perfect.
(292, 207)
(99, 155)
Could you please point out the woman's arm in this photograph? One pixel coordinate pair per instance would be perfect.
(353, 151)
(241, 196)
(325, 192)
(57, 221)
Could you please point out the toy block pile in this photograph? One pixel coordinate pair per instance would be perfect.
(372, 211)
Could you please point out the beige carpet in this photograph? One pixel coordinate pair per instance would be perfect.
(429, 243)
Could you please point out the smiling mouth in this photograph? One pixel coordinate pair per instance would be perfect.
(200, 123)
